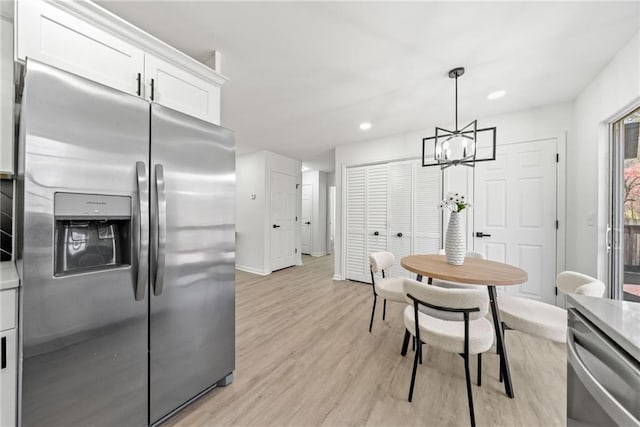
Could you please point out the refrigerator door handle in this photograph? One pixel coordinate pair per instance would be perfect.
(143, 231)
(162, 230)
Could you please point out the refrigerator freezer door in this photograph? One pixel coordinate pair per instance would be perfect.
(84, 333)
(192, 323)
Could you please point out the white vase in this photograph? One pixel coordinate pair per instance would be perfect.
(455, 246)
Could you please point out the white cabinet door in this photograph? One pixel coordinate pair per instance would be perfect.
(427, 217)
(356, 259)
(58, 38)
(283, 227)
(515, 208)
(175, 88)
(6, 95)
(8, 378)
(400, 214)
(377, 187)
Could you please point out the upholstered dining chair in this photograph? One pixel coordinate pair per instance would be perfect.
(546, 320)
(389, 288)
(450, 319)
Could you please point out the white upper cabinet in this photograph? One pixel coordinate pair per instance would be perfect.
(175, 88)
(53, 36)
(82, 38)
(6, 95)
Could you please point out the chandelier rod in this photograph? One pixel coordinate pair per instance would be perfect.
(456, 102)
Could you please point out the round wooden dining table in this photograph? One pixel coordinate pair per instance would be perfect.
(474, 271)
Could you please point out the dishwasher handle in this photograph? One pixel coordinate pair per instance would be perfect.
(608, 402)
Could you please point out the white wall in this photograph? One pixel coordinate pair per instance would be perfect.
(615, 91)
(250, 214)
(253, 217)
(552, 121)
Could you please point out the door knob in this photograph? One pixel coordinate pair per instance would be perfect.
(399, 234)
(308, 222)
(276, 226)
(376, 233)
(481, 234)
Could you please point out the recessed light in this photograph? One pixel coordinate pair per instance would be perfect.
(365, 126)
(497, 94)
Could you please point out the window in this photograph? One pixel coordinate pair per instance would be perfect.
(625, 244)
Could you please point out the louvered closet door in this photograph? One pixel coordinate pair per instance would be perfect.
(356, 260)
(400, 213)
(376, 209)
(428, 218)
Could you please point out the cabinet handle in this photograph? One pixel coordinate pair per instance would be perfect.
(152, 89)
(4, 353)
(139, 84)
(276, 226)
(308, 222)
(376, 233)
(399, 234)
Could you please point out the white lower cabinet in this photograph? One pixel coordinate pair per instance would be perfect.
(175, 88)
(48, 34)
(8, 378)
(8, 358)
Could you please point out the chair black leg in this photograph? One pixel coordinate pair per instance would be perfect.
(384, 309)
(420, 352)
(479, 369)
(373, 311)
(405, 342)
(413, 344)
(469, 395)
(501, 373)
(413, 374)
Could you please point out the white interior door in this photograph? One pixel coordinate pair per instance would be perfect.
(377, 189)
(427, 217)
(400, 214)
(305, 226)
(356, 261)
(332, 219)
(515, 210)
(283, 220)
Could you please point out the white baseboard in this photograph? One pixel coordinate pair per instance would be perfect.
(318, 253)
(337, 277)
(252, 270)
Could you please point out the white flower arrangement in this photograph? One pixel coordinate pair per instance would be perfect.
(455, 202)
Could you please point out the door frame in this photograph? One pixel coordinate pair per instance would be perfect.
(561, 202)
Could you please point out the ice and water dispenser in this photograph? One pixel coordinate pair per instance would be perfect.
(92, 232)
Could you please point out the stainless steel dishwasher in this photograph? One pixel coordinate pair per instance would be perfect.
(603, 381)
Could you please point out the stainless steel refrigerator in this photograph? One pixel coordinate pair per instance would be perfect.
(126, 257)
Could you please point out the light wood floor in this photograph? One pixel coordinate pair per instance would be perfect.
(305, 357)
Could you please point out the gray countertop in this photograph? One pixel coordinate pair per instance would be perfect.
(8, 275)
(620, 320)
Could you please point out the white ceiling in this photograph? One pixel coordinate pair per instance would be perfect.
(305, 75)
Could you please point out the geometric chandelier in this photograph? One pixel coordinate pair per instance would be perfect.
(460, 146)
